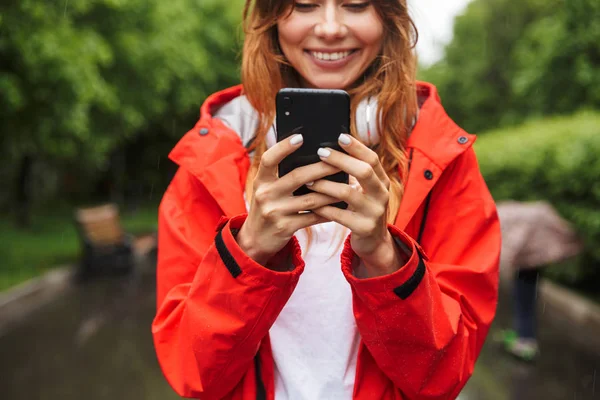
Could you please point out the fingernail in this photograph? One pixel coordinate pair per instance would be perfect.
(297, 139)
(323, 152)
(310, 183)
(344, 139)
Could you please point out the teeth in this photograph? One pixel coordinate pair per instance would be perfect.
(330, 56)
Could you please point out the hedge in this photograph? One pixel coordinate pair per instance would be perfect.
(558, 160)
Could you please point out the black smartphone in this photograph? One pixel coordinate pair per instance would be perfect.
(320, 115)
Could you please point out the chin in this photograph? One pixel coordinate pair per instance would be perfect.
(329, 83)
(330, 86)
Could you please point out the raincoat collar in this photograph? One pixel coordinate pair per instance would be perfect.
(435, 135)
(216, 156)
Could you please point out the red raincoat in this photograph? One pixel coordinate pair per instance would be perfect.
(422, 327)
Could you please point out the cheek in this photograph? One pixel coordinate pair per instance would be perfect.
(291, 33)
(370, 33)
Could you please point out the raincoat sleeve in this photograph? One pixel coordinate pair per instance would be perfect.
(214, 303)
(426, 323)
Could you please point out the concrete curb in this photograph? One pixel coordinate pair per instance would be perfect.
(58, 276)
(572, 313)
(18, 302)
(581, 310)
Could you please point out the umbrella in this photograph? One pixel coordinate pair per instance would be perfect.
(534, 234)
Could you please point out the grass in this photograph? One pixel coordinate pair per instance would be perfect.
(52, 241)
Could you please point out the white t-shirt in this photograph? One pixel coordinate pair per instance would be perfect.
(315, 339)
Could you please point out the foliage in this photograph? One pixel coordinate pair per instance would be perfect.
(81, 78)
(512, 60)
(553, 159)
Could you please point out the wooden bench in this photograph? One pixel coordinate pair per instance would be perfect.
(106, 247)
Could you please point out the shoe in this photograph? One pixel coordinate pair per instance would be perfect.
(522, 348)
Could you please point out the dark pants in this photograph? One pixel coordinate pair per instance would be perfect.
(525, 296)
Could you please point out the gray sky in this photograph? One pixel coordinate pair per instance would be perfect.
(434, 20)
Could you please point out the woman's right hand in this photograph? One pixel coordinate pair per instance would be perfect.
(274, 214)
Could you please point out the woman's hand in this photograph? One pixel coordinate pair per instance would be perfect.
(367, 207)
(274, 214)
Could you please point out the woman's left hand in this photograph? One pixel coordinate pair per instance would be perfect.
(367, 207)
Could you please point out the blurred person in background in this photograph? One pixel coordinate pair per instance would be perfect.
(534, 235)
(390, 299)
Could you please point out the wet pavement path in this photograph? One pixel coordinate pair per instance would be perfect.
(94, 342)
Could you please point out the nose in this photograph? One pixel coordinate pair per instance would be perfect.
(331, 24)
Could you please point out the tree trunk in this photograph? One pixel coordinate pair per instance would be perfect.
(23, 192)
(118, 172)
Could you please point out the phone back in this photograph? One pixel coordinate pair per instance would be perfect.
(320, 115)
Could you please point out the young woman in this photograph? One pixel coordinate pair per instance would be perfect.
(390, 299)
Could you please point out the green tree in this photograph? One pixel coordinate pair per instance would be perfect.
(510, 60)
(557, 60)
(79, 78)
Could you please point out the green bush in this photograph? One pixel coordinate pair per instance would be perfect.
(555, 159)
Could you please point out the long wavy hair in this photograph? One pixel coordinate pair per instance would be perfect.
(391, 78)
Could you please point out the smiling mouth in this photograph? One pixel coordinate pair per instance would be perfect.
(331, 56)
